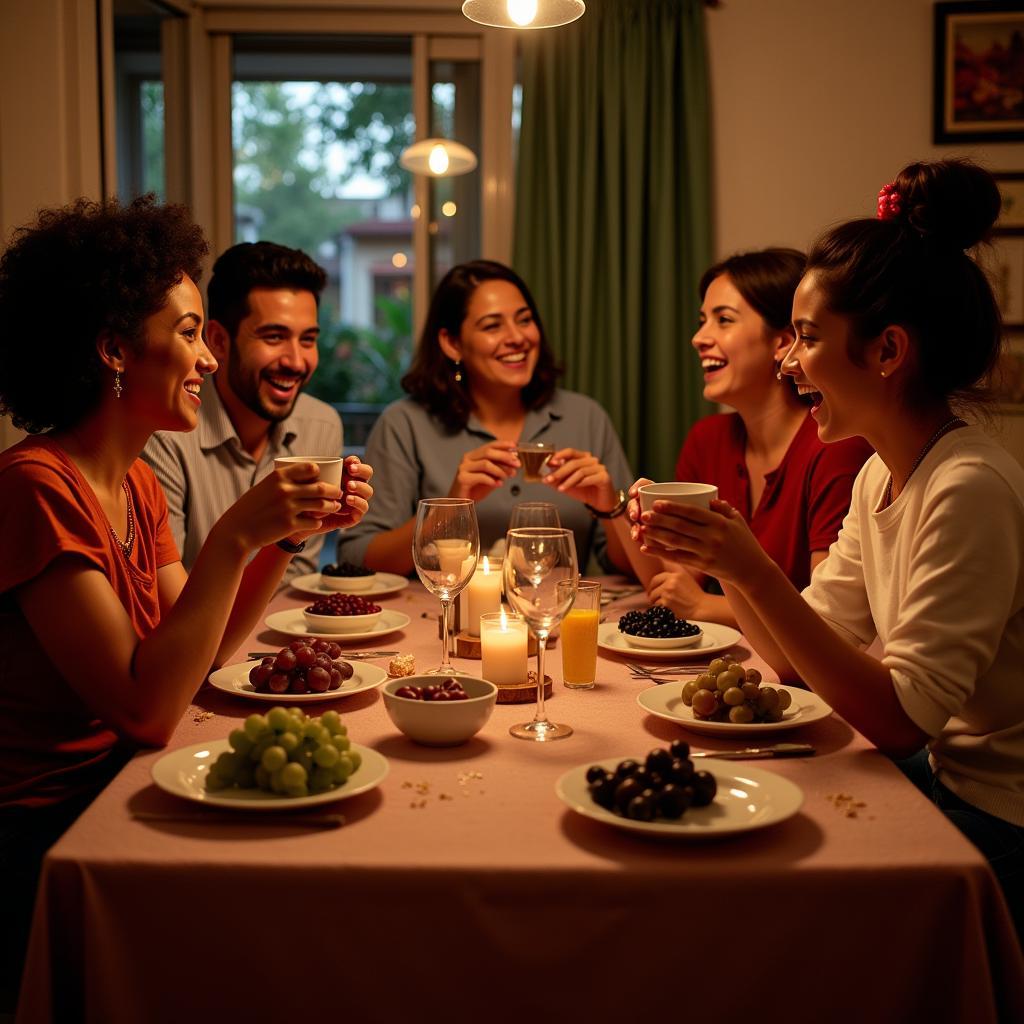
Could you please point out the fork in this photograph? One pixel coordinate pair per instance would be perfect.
(686, 670)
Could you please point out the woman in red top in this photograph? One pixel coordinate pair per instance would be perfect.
(765, 458)
(104, 638)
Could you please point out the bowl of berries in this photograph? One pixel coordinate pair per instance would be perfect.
(341, 613)
(658, 628)
(437, 710)
(347, 578)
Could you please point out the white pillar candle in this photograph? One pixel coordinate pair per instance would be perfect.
(503, 640)
(483, 595)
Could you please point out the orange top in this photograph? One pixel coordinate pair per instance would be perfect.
(52, 746)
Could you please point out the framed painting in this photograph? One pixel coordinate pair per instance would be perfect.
(979, 71)
(1008, 378)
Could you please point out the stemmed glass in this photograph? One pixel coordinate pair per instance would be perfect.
(537, 559)
(445, 549)
(534, 513)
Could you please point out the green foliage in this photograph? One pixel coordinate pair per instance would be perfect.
(359, 364)
(151, 102)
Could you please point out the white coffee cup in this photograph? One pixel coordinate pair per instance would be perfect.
(682, 493)
(331, 469)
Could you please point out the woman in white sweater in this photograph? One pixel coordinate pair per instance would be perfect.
(897, 328)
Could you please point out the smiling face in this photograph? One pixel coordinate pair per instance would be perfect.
(819, 362)
(737, 348)
(498, 342)
(274, 352)
(162, 382)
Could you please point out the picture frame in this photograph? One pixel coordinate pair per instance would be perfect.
(1008, 378)
(979, 71)
(1005, 267)
(1011, 215)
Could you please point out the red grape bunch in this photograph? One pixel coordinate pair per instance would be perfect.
(343, 604)
(304, 666)
(449, 689)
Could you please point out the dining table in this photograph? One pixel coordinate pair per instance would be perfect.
(463, 888)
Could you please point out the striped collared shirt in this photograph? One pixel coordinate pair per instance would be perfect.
(204, 472)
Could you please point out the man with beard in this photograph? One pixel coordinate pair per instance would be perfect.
(262, 328)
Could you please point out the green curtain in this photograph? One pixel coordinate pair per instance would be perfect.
(613, 210)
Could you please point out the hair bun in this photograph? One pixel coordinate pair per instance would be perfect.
(950, 202)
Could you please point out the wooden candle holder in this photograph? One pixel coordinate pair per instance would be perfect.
(524, 692)
(465, 645)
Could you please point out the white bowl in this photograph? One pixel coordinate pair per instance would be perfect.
(663, 643)
(440, 723)
(348, 584)
(340, 623)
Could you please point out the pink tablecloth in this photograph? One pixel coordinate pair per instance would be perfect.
(457, 896)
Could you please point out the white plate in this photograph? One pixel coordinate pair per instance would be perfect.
(234, 679)
(293, 623)
(714, 638)
(183, 773)
(666, 702)
(385, 583)
(747, 799)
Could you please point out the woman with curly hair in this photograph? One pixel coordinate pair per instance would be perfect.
(483, 380)
(105, 638)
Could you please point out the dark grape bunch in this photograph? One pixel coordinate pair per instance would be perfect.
(448, 689)
(346, 569)
(663, 787)
(657, 621)
(304, 666)
(727, 693)
(343, 604)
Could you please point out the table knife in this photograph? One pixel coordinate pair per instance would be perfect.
(752, 753)
(206, 818)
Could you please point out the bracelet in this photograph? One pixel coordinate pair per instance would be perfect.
(613, 513)
(291, 547)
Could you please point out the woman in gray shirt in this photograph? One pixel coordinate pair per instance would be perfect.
(482, 381)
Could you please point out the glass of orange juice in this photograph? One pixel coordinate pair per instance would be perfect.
(579, 637)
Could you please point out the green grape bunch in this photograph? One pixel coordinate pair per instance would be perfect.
(286, 752)
(728, 693)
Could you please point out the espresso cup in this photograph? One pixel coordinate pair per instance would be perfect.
(331, 469)
(682, 493)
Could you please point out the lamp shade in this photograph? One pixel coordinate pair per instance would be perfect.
(523, 13)
(440, 158)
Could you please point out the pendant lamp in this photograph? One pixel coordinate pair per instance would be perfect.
(440, 158)
(523, 13)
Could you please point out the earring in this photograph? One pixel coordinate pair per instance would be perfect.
(883, 373)
(117, 384)
(458, 371)
(778, 372)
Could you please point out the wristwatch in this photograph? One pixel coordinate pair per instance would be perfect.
(612, 513)
(290, 547)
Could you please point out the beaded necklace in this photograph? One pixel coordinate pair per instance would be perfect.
(128, 543)
(946, 427)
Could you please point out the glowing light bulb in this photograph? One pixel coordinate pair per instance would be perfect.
(399, 260)
(522, 12)
(449, 209)
(438, 160)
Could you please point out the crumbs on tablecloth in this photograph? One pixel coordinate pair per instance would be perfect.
(422, 789)
(198, 714)
(845, 804)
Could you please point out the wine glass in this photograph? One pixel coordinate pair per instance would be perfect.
(537, 559)
(445, 548)
(534, 513)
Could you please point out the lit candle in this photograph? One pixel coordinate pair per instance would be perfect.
(503, 641)
(483, 595)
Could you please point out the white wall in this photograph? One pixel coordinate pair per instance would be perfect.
(815, 105)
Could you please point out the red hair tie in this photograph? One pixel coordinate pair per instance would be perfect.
(889, 204)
